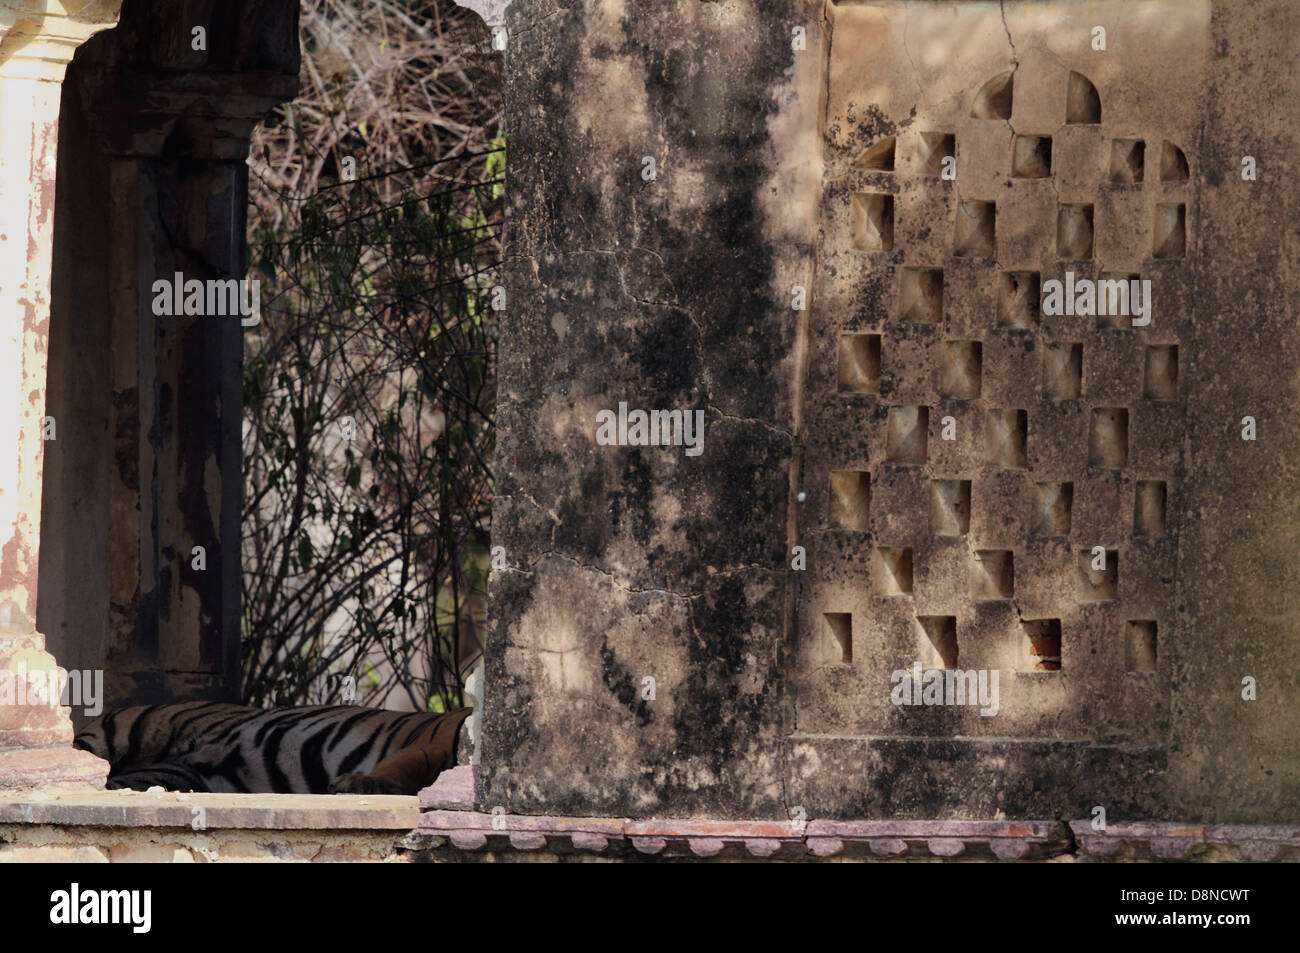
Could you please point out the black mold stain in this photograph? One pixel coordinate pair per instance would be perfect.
(620, 683)
(631, 501)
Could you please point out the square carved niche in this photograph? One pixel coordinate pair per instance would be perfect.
(1127, 158)
(859, 363)
(1044, 636)
(920, 295)
(1031, 157)
(1074, 232)
(851, 500)
(1006, 435)
(975, 234)
(1053, 505)
(1160, 372)
(1097, 575)
(950, 507)
(1113, 319)
(940, 632)
(873, 221)
(1170, 232)
(837, 639)
(879, 156)
(1149, 507)
(993, 575)
(1140, 645)
(961, 374)
(1062, 370)
(936, 147)
(894, 571)
(1108, 438)
(1019, 298)
(907, 440)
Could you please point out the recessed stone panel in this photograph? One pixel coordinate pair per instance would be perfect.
(1068, 426)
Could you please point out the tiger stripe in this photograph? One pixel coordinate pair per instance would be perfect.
(212, 746)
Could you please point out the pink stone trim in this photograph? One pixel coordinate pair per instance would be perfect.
(476, 830)
(1155, 840)
(884, 840)
(450, 812)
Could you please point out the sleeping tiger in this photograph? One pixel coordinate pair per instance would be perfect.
(334, 749)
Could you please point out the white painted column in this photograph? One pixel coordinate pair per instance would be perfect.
(37, 41)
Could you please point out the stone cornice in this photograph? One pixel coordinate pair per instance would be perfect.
(144, 97)
(215, 112)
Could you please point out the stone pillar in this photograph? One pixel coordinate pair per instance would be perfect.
(36, 43)
(660, 209)
(155, 426)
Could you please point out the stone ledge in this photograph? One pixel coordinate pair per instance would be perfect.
(90, 808)
(22, 769)
(610, 837)
(983, 840)
(1154, 840)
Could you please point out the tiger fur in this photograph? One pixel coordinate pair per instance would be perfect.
(215, 747)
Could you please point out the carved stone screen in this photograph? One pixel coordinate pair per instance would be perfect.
(995, 443)
(991, 487)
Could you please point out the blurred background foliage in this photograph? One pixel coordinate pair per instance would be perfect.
(374, 226)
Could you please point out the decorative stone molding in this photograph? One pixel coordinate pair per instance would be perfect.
(476, 831)
(884, 840)
(38, 37)
(147, 90)
(1150, 840)
(453, 818)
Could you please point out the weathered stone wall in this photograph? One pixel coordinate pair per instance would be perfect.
(823, 168)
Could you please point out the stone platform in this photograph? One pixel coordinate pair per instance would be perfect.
(128, 826)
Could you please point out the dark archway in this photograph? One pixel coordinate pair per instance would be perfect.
(155, 123)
